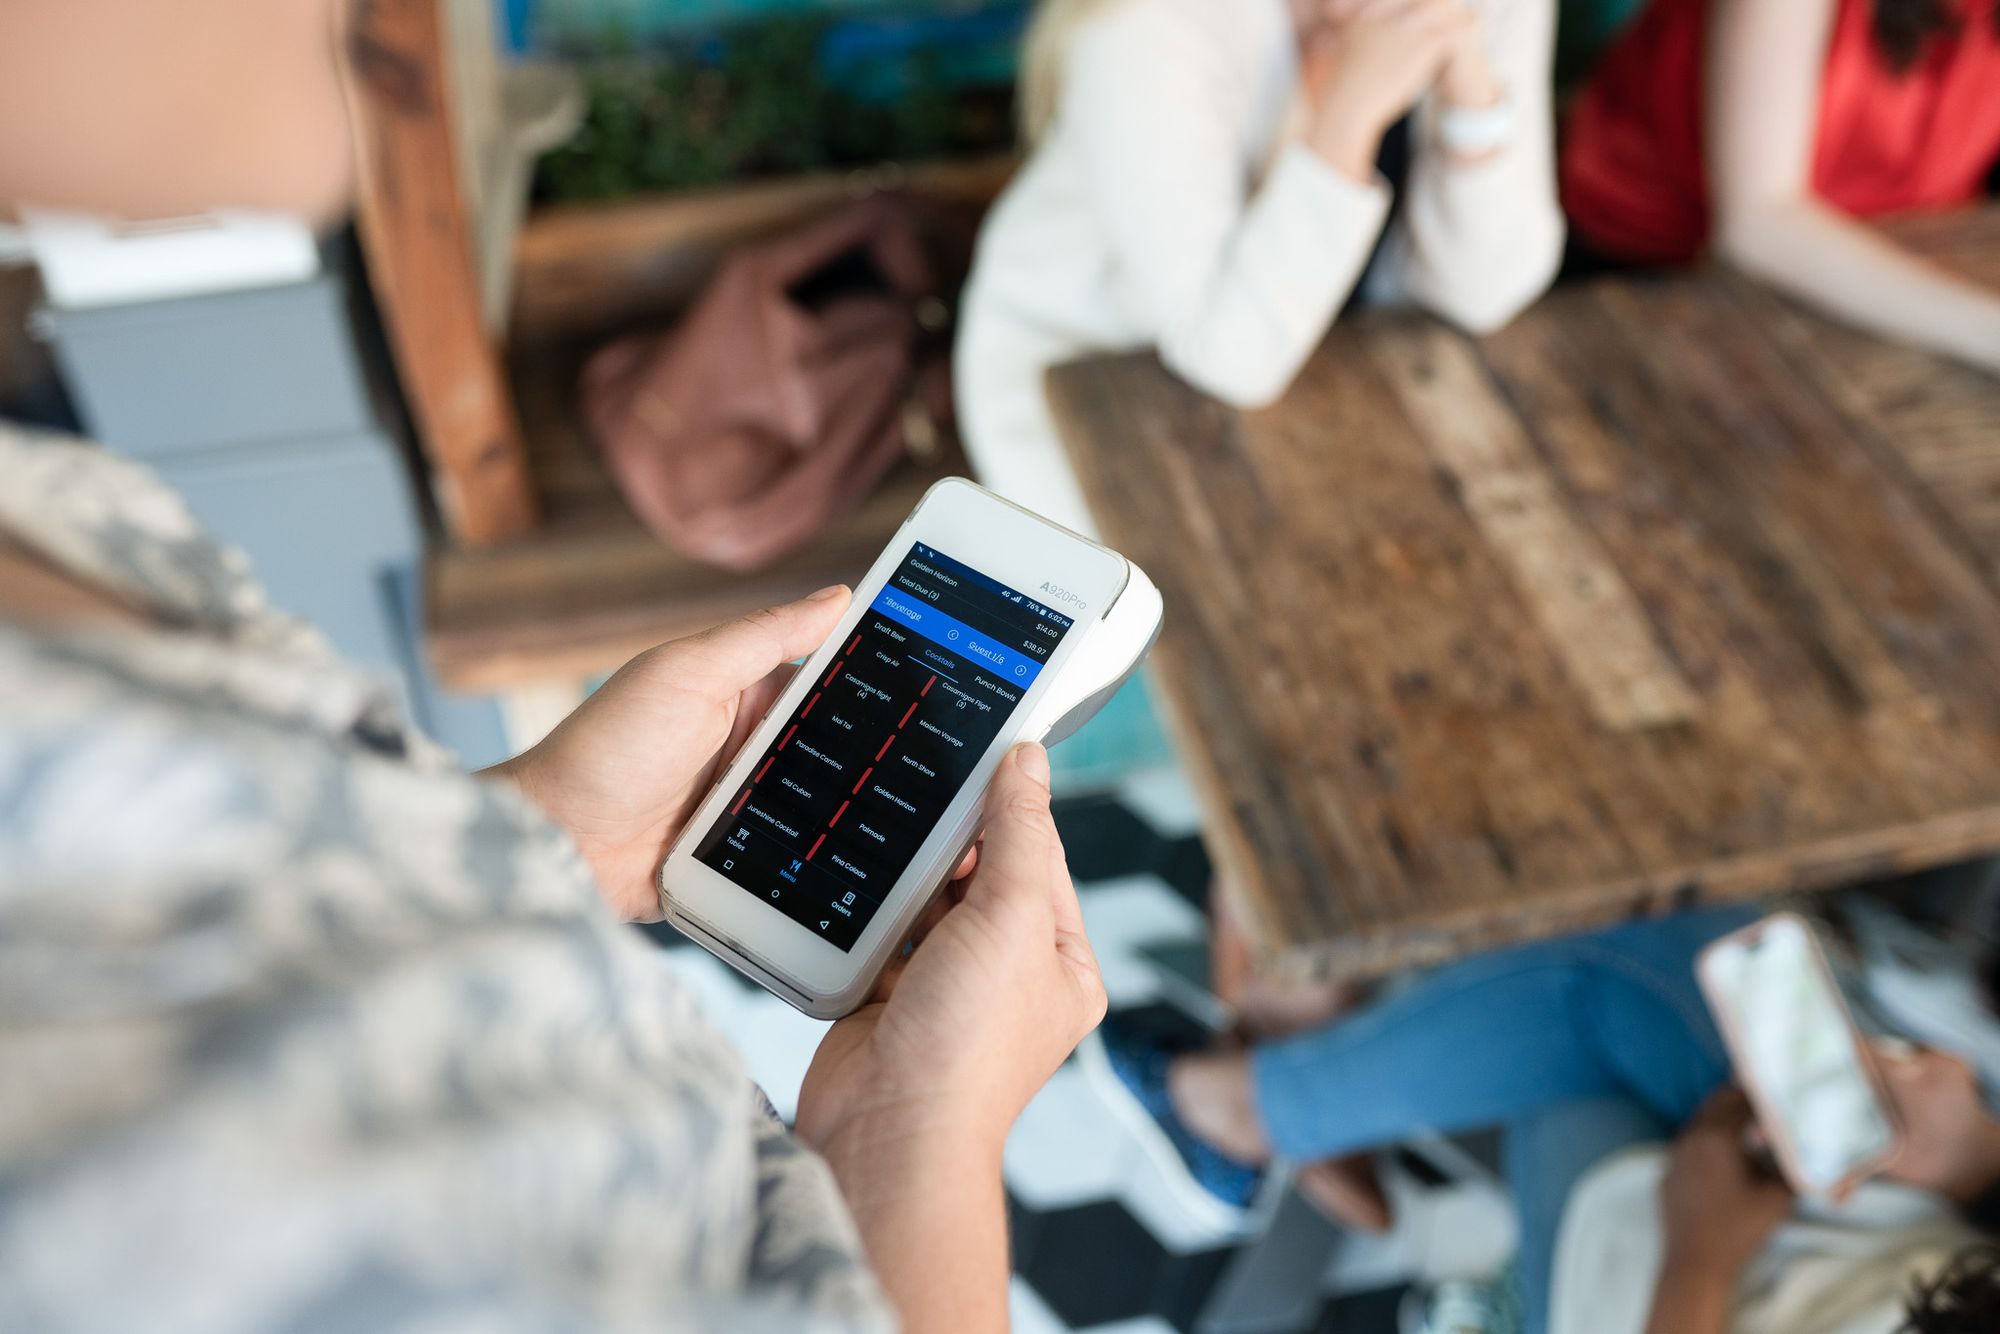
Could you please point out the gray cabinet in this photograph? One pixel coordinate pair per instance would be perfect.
(257, 407)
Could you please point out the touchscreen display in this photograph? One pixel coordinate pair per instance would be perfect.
(1796, 1043)
(862, 772)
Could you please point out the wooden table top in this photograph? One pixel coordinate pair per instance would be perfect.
(1671, 593)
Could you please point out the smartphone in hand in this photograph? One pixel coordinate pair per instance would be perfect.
(1798, 1055)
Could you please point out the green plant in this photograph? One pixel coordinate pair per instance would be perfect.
(751, 103)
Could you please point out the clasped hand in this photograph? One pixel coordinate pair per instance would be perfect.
(1365, 63)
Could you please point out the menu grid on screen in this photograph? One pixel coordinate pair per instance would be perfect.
(835, 810)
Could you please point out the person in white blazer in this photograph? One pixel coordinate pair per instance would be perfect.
(1203, 180)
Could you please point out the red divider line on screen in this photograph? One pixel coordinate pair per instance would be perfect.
(809, 706)
(906, 716)
(864, 778)
(815, 847)
(764, 768)
(853, 646)
(739, 801)
(836, 819)
(832, 672)
(927, 687)
(885, 747)
(788, 737)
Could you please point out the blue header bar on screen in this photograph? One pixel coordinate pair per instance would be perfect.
(950, 633)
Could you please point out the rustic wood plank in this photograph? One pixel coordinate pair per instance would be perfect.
(581, 268)
(416, 231)
(1586, 610)
(1935, 417)
(1418, 739)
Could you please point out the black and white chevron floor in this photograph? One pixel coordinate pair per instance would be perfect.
(1098, 1242)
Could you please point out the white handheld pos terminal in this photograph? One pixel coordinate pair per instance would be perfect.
(981, 625)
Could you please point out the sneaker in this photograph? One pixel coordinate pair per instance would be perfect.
(1130, 1071)
(1459, 1306)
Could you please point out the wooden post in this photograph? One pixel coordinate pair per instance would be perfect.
(414, 218)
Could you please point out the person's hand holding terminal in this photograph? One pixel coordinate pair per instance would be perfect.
(624, 772)
(911, 1097)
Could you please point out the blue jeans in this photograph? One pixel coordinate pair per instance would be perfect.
(1577, 1047)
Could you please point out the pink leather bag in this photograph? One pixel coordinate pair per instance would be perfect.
(795, 382)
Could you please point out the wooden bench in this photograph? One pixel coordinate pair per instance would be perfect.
(539, 575)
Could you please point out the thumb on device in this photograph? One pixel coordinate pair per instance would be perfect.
(1021, 861)
(738, 653)
(1020, 850)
